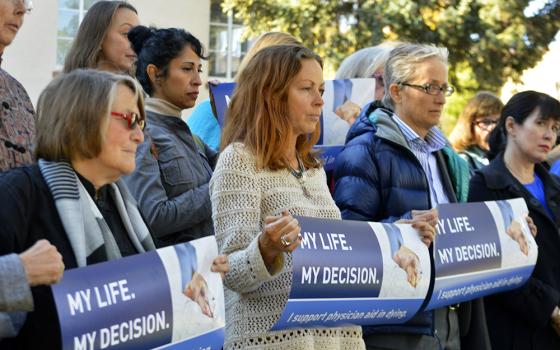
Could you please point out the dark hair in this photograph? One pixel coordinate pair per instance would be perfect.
(520, 107)
(86, 47)
(159, 47)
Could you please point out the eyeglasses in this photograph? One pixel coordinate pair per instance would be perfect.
(132, 119)
(378, 79)
(27, 4)
(486, 124)
(432, 89)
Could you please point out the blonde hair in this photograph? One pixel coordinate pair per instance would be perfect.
(72, 110)
(258, 111)
(86, 47)
(483, 104)
(266, 40)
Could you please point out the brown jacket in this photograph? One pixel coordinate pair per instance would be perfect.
(17, 125)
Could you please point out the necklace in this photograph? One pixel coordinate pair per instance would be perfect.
(298, 174)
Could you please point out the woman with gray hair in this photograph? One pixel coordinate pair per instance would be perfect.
(398, 165)
(89, 124)
(364, 63)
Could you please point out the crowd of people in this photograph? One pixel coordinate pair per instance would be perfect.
(106, 168)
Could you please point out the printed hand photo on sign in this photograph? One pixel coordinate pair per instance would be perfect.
(197, 291)
(403, 256)
(513, 227)
(409, 262)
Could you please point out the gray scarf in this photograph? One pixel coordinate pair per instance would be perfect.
(85, 227)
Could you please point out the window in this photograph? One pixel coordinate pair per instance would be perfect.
(70, 15)
(226, 48)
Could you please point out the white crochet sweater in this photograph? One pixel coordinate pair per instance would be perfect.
(242, 197)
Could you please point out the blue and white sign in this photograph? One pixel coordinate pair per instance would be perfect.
(144, 301)
(481, 249)
(352, 272)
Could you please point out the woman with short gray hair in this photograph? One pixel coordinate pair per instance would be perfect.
(400, 166)
(89, 124)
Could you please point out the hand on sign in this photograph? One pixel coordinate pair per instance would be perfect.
(532, 226)
(280, 234)
(409, 262)
(220, 264)
(348, 111)
(516, 233)
(197, 291)
(423, 221)
(429, 216)
(42, 263)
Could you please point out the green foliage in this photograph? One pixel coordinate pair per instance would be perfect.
(489, 41)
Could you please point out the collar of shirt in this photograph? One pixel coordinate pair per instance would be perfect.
(435, 140)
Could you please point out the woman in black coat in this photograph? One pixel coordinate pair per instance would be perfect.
(528, 317)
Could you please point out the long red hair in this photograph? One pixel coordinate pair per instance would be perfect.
(258, 111)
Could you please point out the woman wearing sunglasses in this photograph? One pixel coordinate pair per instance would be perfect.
(173, 167)
(89, 124)
(470, 136)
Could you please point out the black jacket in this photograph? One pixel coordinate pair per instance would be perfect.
(520, 319)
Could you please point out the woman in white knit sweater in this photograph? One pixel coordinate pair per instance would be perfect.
(265, 174)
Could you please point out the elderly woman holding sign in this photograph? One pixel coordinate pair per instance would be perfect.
(89, 125)
(528, 317)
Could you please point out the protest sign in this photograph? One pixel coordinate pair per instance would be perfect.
(144, 301)
(351, 272)
(481, 249)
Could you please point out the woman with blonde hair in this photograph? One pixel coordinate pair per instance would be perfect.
(470, 136)
(202, 121)
(101, 42)
(266, 173)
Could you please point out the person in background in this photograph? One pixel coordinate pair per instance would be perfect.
(202, 121)
(364, 63)
(102, 42)
(527, 317)
(470, 135)
(89, 124)
(174, 167)
(265, 174)
(17, 126)
(396, 165)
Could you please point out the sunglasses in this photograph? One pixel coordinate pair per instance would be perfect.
(132, 119)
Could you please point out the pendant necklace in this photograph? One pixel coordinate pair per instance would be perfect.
(298, 174)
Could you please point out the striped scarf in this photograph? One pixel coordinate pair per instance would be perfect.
(89, 235)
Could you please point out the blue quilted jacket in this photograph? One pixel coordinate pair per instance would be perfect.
(378, 178)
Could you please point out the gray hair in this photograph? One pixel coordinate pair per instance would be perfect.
(363, 63)
(72, 112)
(402, 63)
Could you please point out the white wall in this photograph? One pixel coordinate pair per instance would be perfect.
(31, 58)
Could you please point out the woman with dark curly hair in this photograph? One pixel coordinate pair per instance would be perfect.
(173, 166)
